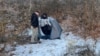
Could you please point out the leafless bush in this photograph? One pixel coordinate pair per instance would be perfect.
(85, 13)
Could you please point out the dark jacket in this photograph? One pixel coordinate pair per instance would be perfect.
(34, 20)
(46, 29)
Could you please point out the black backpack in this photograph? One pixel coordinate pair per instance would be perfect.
(46, 29)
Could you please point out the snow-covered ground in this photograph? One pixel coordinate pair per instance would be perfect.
(68, 45)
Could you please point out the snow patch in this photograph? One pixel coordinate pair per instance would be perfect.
(46, 48)
(97, 49)
(68, 44)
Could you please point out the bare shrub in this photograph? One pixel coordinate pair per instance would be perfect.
(85, 13)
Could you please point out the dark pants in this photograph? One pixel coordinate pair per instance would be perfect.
(45, 37)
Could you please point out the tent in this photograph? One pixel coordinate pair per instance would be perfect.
(56, 29)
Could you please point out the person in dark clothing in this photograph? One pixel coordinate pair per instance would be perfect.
(49, 28)
(45, 26)
(34, 27)
(34, 20)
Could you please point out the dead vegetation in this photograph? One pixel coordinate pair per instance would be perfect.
(84, 15)
(87, 19)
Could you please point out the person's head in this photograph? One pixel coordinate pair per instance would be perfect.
(44, 16)
(37, 13)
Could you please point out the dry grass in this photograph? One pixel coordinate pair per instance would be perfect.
(85, 18)
(85, 15)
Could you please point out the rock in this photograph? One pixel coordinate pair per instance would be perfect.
(3, 39)
(2, 47)
(86, 53)
(26, 32)
(8, 48)
(97, 49)
(79, 51)
(91, 43)
(10, 27)
(15, 43)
